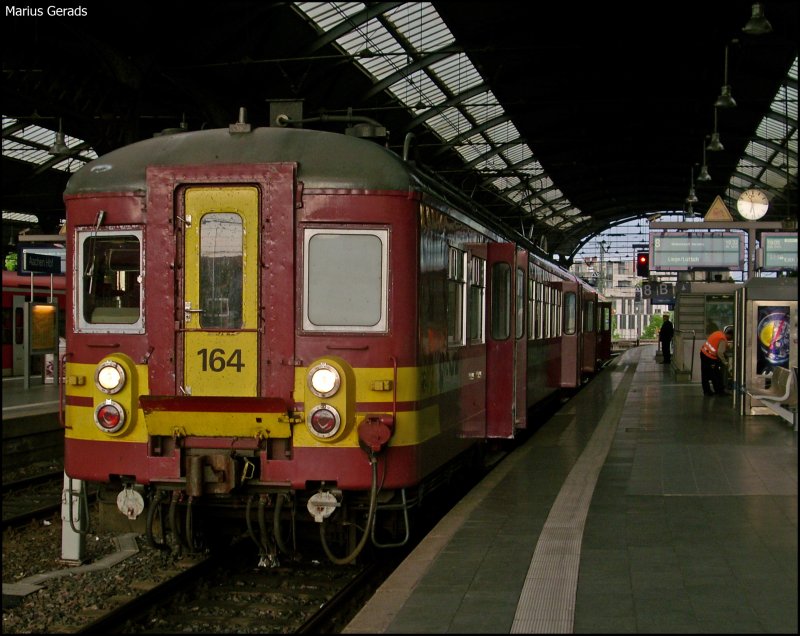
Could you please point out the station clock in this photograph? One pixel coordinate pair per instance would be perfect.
(752, 204)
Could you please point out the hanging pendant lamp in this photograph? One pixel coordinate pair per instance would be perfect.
(757, 24)
(60, 147)
(704, 176)
(725, 100)
(715, 145)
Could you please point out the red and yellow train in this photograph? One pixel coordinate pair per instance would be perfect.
(299, 324)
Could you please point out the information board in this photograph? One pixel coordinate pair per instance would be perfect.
(779, 250)
(680, 251)
(658, 293)
(41, 263)
(43, 327)
(39, 259)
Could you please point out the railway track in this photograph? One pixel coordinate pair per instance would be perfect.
(230, 593)
(34, 497)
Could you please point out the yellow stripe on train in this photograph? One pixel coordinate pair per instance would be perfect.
(415, 421)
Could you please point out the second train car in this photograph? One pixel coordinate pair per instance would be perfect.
(297, 324)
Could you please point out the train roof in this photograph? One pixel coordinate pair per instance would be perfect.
(325, 159)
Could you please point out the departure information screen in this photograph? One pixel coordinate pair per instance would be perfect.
(779, 250)
(678, 251)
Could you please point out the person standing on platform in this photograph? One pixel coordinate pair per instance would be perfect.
(665, 335)
(712, 361)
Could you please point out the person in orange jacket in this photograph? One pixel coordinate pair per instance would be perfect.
(712, 361)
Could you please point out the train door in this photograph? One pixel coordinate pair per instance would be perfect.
(571, 342)
(521, 339)
(473, 356)
(220, 291)
(502, 409)
(19, 348)
(603, 331)
(589, 333)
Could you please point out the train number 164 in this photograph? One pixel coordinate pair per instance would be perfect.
(217, 360)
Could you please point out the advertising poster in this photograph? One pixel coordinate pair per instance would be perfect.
(772, 337)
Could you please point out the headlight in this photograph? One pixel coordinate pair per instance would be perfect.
(109, 416)
(323, 380)
(110, 377)
(324, 421)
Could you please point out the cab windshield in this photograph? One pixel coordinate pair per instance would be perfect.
(110, 290)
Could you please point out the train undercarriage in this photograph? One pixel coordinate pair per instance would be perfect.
(189, 516)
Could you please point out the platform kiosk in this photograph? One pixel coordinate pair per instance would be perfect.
(700, 308)
(765, 353)
(41, 322)
(40, 319)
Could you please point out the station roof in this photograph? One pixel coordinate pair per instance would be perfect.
(563, 119)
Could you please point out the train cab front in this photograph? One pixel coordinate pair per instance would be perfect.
(205, 445)
(215, 445)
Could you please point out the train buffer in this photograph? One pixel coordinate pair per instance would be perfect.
(781, 396)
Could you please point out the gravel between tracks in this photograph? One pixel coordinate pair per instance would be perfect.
(66, 602)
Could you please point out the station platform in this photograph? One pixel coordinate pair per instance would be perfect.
(37, 399)
(642, 506)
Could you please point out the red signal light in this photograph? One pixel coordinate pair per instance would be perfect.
(643, 264)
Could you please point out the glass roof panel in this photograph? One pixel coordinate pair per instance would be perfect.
(508, 185)
(449, 123)
(415, 31)
(457, 72)
(482, 107)
(473, 148)
(404, 35)
(417, 87)
(491, 163)
(549, 195)
(517, 195)
(770, 160)
(774, 177)
(31, 143)
(503, 133)
(421, 25)
(329, 14)
(516, 154)
(24, 152)
(374, 36)
(20, 217)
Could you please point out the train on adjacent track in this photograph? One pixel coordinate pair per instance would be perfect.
(20, 289)
(295, 324)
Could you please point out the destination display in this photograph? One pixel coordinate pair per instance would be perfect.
(677, 251)
(779, 250)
